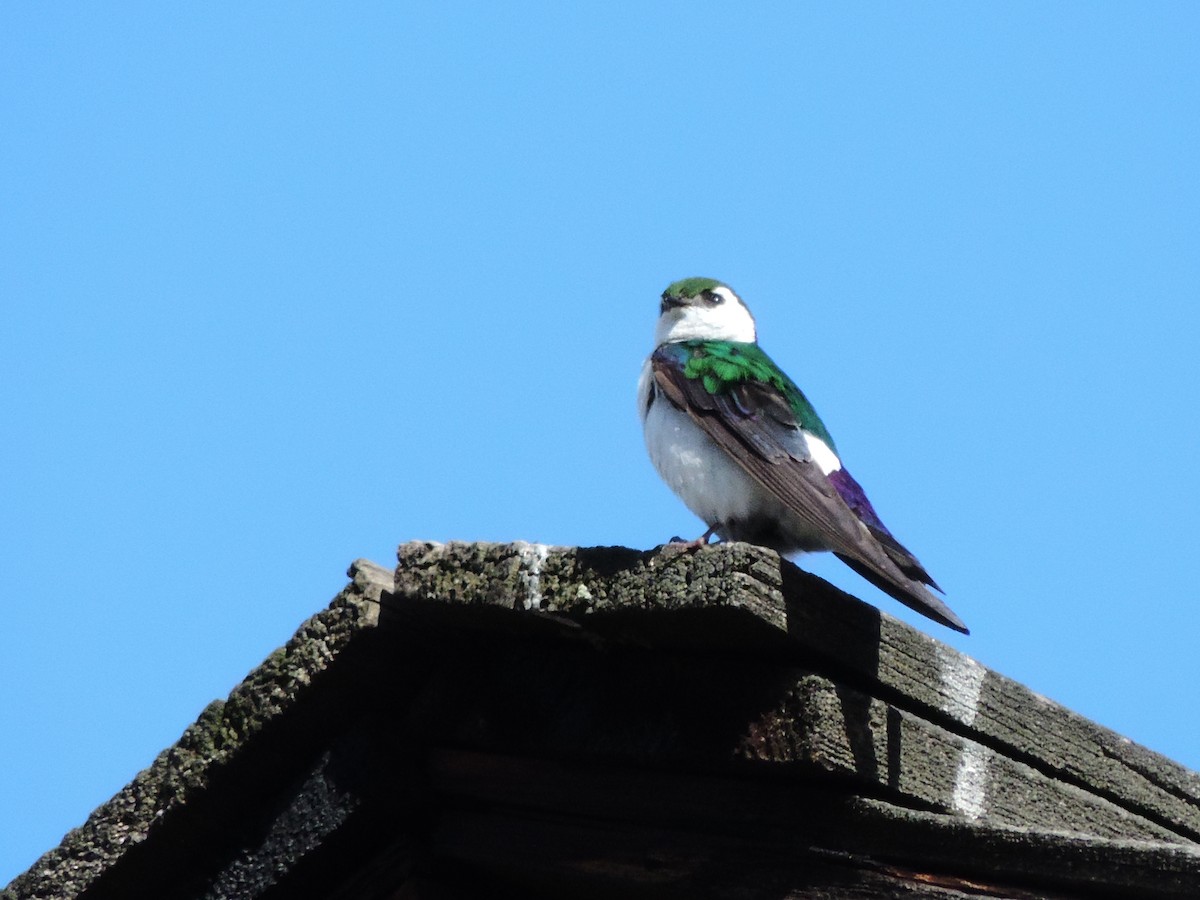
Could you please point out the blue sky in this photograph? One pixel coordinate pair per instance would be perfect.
(284, 285)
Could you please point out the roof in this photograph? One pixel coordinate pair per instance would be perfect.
(516, 719)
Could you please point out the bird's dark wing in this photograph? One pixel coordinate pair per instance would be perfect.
(850, 491)
(753, 422)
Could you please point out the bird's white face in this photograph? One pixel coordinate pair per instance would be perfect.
(717, 314)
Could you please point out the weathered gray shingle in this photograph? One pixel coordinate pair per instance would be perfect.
(514, 719)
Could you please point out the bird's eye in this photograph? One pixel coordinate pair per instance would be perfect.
(714, 298)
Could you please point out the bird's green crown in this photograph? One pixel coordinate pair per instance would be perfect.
(691, 287)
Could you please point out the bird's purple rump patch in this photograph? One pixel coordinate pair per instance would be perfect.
(852, 493)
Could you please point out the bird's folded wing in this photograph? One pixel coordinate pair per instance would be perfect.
(752, 422)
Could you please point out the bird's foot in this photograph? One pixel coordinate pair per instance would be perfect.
(695, 544)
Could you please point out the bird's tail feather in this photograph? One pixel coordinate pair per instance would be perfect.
(911, 593)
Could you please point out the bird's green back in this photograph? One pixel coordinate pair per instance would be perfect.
(721, 364)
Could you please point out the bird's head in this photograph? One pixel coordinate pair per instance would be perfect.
(703, 309)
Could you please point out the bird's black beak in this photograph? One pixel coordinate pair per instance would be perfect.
(670, 302)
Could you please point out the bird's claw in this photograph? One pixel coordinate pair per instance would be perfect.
(696, 543)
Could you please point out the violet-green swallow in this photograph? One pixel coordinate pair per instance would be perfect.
(743, 448)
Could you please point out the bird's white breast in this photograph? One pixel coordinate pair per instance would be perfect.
(705, 478)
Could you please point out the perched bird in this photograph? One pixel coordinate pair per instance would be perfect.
(743, 448)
